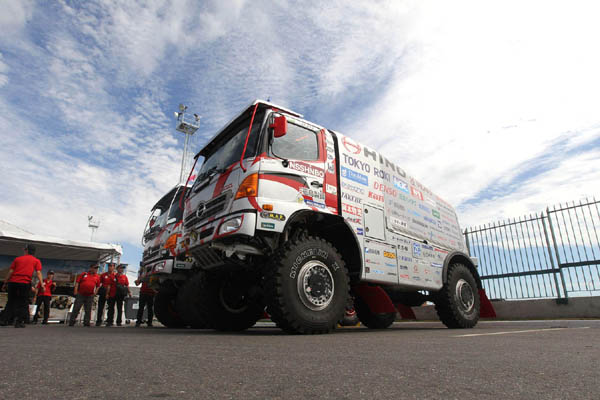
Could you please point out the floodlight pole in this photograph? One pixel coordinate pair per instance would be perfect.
(93, 224)
(188, 128)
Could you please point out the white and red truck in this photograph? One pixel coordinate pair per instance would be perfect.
(294, 218)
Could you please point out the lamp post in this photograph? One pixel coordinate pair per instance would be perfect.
(188, 127)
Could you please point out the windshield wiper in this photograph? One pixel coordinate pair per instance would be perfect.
(207, 176)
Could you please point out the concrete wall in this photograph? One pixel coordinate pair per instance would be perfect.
(577, 307)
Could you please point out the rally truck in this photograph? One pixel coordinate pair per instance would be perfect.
(162, 266)
(302, 221)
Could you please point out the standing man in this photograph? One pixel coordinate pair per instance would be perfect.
(18, 283)
(105, 280)
(86, 287)
(146, 300)
(44, 297)
(119, 289)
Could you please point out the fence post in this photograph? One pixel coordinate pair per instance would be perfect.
(466, 234)
(562, 278)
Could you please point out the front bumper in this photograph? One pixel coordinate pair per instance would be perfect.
(166, 266)
(208, 231)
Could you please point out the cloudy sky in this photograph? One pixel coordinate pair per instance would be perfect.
(493, 105)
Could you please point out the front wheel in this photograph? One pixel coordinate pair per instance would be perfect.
(457, 303)
(307, 286)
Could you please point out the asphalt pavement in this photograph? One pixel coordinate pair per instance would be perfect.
(410, 360)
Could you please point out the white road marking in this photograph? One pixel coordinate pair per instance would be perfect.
(527, 331)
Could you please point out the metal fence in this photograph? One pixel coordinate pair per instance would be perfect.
(553, 254)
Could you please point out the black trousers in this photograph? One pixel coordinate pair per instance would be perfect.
(101, 304)
(17, 306)
(111, 310)
(45, 300)
(146, 300)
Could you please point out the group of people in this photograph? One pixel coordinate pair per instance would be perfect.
(111, 287)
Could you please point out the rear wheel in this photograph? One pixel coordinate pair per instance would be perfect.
(370, 319)
(164, 307)
(307, 286)
(457, 303)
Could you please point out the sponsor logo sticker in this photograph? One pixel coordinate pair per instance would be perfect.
(389, 254)
(350, 146)
(355, 176)
(267, 225)
(272, 215)
(307, 169)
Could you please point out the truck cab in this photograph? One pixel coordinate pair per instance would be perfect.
(304, 221)
(163, 229)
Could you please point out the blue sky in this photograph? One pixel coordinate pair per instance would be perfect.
(492, 105)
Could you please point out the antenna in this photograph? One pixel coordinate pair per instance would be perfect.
(187, 126)
(93, 224)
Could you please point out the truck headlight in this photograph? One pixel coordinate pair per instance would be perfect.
(231, 225)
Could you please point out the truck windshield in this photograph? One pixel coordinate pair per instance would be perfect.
(230, 150)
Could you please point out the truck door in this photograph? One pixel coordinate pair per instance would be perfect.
(302, 151)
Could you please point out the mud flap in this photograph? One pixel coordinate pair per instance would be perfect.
(486, 309)
(375, 297)
(406, 312)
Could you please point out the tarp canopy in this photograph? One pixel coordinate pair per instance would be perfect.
(13, 240)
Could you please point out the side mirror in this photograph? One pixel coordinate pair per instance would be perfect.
(279, 126)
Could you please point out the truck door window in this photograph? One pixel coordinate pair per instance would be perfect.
(298, 144)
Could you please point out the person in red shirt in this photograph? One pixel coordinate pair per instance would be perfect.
(119, 289)
(146, 300)
(18, 284)
(44, 296)
(105, 280)
(86, 287)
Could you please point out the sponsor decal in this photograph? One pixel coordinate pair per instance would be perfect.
(390, 265)
(350, 146)
(436, 265)
(330, 189)
(307, 169)
(403, 276)
(375, 196)
(416, 269)
(355, 176)
(425, 208)
(391, 273)
(350, 209)
(416, 250)
(389, 254)
(267, 225)
(404, 248)
(385, 189)
(227, 187)
(401, 185)
(368, 260)
(383, 161)
(315, 194)
(272, 215)
(435, 213)
(415, 278)
(382, 174)
(359, 231)
(402, 266)
(354, 220)
(407, 259)
(360, 165)
(314, 204)
(351, 198)
(367, 270)
(353, 188)
(330, 168)
(372, 251)
(414, 192)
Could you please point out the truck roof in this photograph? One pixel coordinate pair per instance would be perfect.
(212, 143)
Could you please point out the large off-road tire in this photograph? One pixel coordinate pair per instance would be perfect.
(164, 308)
(306, 286)
(370, 319)
(186, 305)
(457, 303)
(224, 301)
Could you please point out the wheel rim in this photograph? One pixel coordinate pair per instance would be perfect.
(315, 285)
(465, 295)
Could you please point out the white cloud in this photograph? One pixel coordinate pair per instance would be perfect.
(461, 95)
